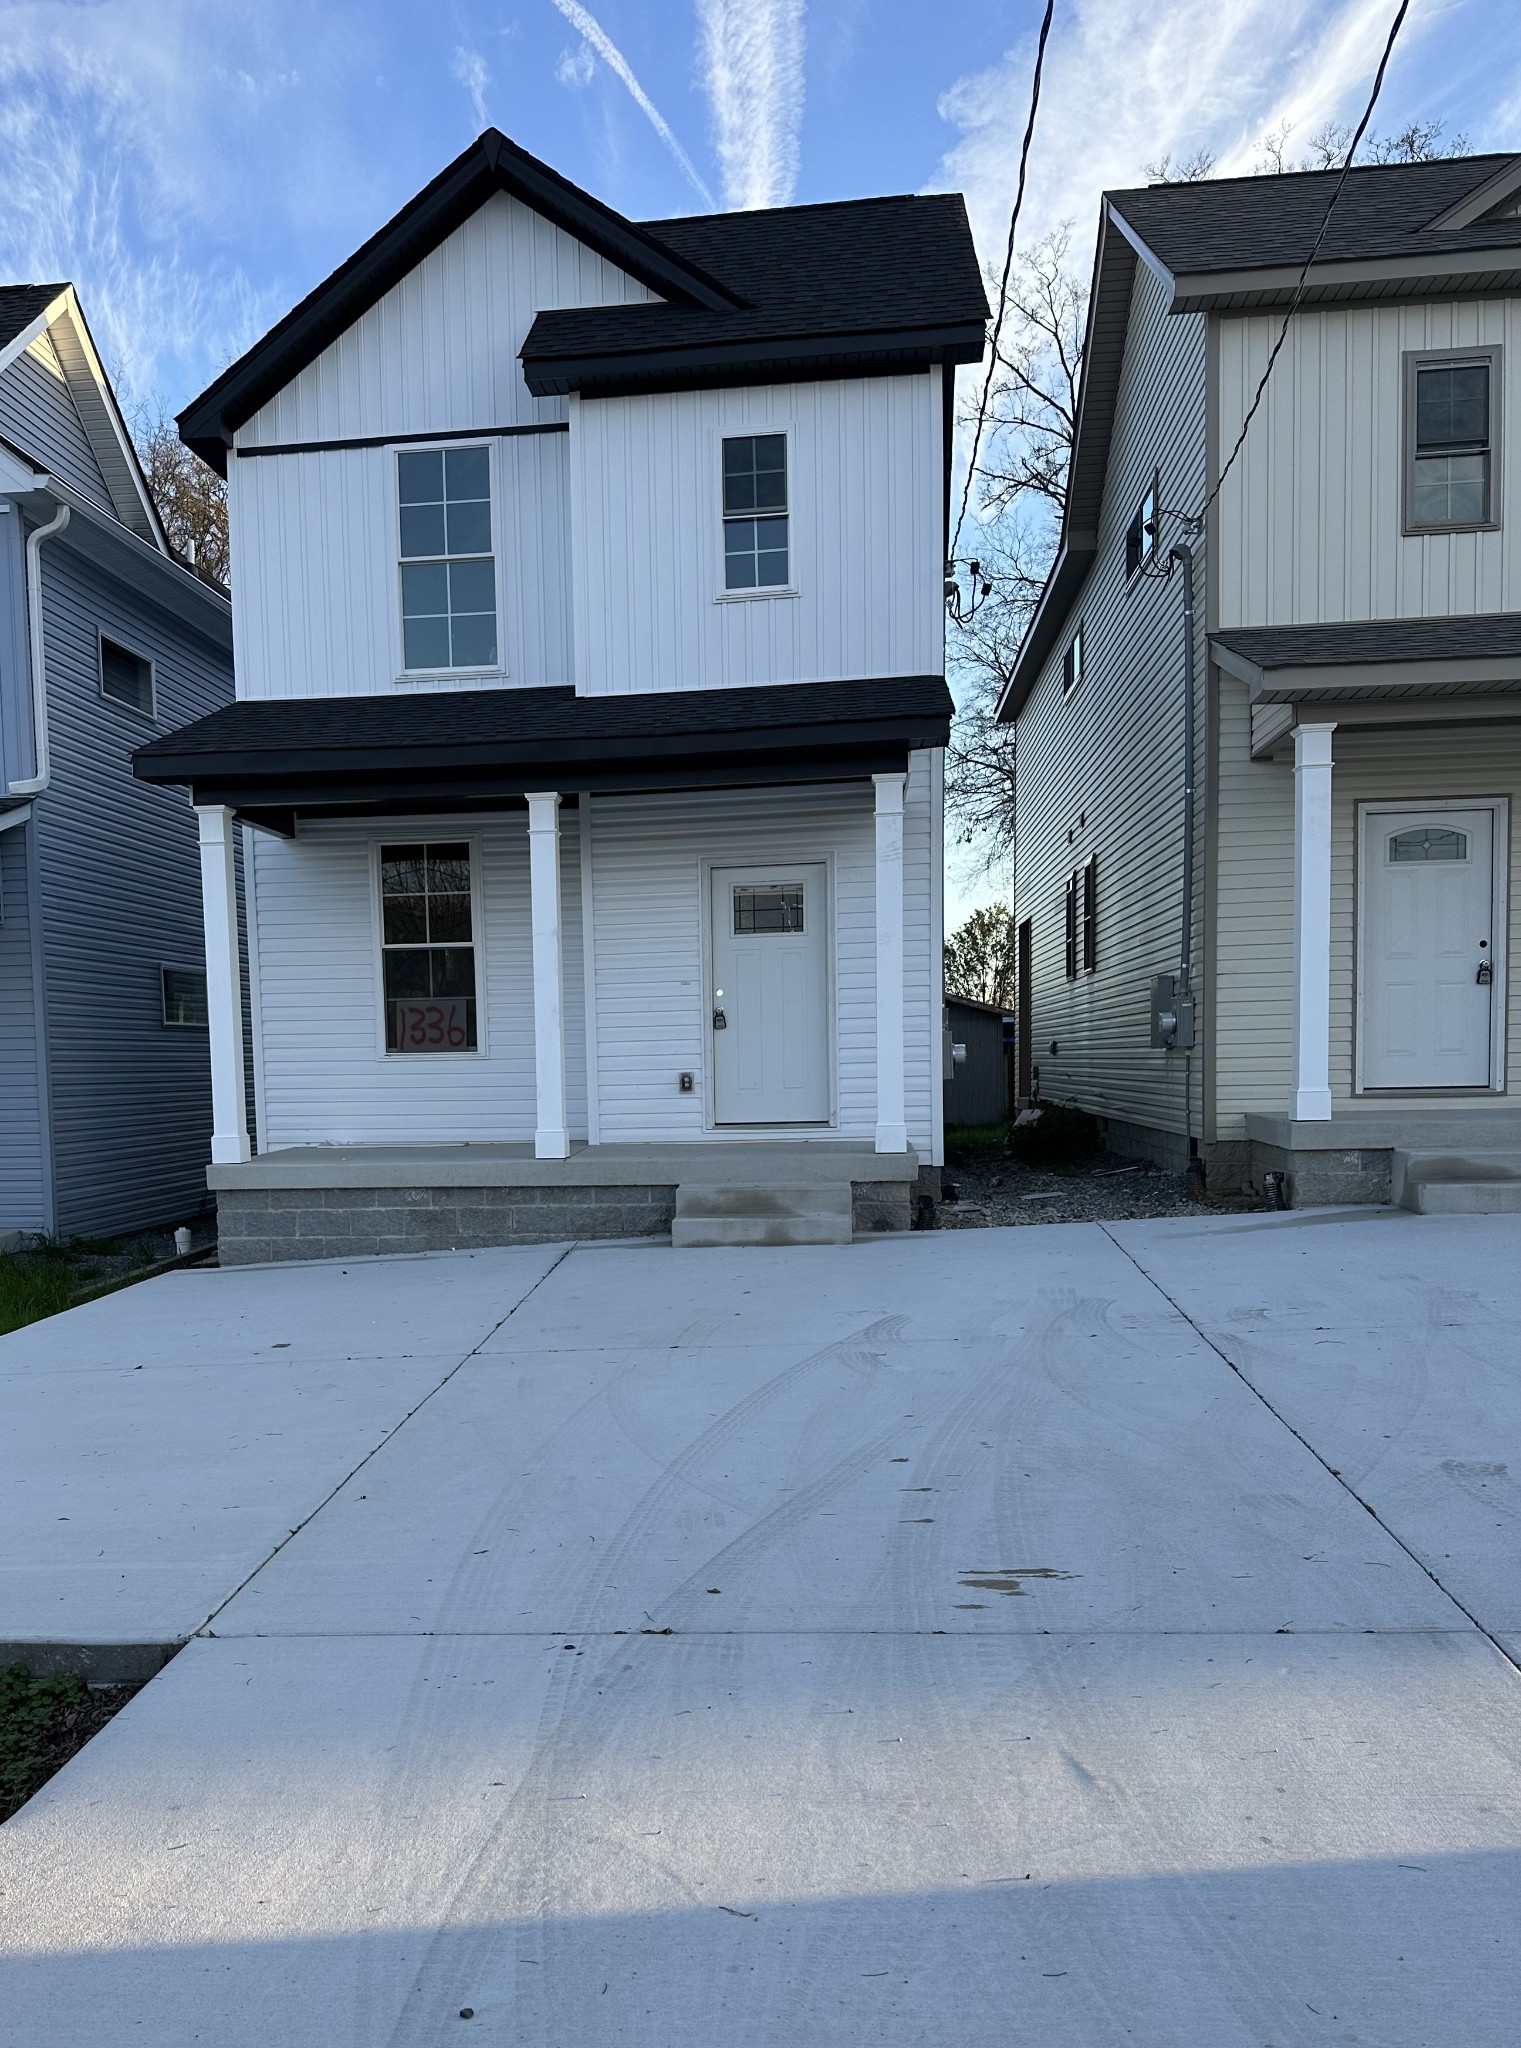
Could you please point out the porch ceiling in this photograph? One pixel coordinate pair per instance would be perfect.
(273, 759)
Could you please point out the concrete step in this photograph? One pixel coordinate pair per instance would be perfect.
(710, 1213)
(1471, 1181)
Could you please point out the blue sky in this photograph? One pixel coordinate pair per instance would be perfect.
(196, 165)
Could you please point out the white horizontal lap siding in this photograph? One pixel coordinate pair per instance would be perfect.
(1311, 516)
(864, 509)
(1105, 764)
(38, 414)
(440, 349)
(649, 862)
(316, 581)
(326, 1078)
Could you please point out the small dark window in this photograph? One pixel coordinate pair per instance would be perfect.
(1141, 537)
(778, 909)
(1071, 919)
(126, 678)
(427, 939)
(1072, 663)
(1449, 444)
(185, 997)
(1090, 915)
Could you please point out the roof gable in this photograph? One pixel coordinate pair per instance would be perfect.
(30, 313)
(491, 164)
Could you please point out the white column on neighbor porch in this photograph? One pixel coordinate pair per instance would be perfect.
(892, 1130)
(1311, 1101)
(224, 983)
(550, 1138)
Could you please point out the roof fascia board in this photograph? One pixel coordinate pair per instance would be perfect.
(492, 163)
(1436, 677)
(1063, 587)
(19, 343)
(1200, 290)
(1147, 254)
(558, 376)
(1235, 664)
(1501, 185)
(103, 422)
(119, 549)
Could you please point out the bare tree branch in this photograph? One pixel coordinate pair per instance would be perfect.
(190, 496)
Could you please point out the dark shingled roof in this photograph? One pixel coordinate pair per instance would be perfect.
(850, 267)
(1266, 222)
(21, 303)
(1484, 635)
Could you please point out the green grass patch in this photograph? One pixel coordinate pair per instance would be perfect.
(43, 1722)
(975, 1144)
(32, 1287)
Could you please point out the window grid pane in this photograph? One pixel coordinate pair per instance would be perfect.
(1428, 842)
(448, 573)
(428, 958)
(755, 512)
(778, 908)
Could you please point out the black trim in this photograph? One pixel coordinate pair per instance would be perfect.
(401, 440)
(692, 365)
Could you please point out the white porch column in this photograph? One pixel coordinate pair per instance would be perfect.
(224, 984)
(550, 1139)
(1311, 1102)
(892, 1131)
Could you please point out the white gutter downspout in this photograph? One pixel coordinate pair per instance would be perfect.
(34, 785)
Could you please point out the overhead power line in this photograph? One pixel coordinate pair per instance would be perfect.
(1008, 266)
(1299, 290)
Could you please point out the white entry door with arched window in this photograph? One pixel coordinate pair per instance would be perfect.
(1431, 1000)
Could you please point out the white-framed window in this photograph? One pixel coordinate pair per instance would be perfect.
(757, 541)
(126, 678)
(184, 996)
(448, 567)
(428, 946)
(1452, 403)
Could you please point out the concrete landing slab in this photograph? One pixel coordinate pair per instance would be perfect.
(1392, 1346)
(1004, 1843)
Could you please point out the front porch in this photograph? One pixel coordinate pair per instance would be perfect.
(351, 1201)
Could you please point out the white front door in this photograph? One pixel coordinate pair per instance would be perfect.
(770, 995)
(1430, 978)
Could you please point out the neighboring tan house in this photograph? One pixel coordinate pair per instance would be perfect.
(589, 588)
(1355, 745)
(105, 1088)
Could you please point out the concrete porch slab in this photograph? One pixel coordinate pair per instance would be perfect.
(1384, 1128)
(735, 1161)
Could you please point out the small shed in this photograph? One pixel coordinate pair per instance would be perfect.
(977, 1087)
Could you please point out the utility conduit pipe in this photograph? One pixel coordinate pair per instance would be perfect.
(35, 784)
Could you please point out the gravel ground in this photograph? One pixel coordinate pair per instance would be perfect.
(1103, 1189)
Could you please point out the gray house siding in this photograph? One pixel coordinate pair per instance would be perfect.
(1100, 772)
(38, 413)
(120, 891)
(23, 1165)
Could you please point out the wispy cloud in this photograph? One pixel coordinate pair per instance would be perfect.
(470, 71)
(752, 71)
(1126, 86)
(595, 38)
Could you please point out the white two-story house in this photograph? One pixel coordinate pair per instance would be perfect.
(591, 706)
(1269, 727)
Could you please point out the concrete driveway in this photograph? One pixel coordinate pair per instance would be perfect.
(1070, 1636)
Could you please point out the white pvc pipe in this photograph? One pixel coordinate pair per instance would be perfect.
(34, 785)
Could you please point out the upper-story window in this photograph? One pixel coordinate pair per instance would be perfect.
(1072, 662)
(755, 512)
(1141, 535)
(125, 677)
(448, 571)
(1451, 404)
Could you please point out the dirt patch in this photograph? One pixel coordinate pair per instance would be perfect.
(1100, 1189)
(43, 1722)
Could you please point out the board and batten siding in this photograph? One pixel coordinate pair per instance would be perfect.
(1100, 772)
(1254, 944)
(649, 862)
(119, 884)
(1311, 516)
(324, 1076)
(38, 414)
(865, 516)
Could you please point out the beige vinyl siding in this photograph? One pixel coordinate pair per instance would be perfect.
(1111, 755)
(1255, 943)
(1311, 516)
